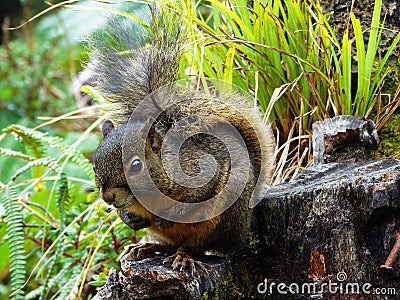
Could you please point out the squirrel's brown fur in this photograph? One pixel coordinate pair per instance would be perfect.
(223, 233)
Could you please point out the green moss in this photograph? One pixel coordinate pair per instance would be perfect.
(226, 290)
(392, 80)
(389, 138)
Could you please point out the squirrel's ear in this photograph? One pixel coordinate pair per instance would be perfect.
(155, 139)
(107, 127)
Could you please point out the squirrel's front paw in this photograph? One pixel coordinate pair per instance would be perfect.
(136, 252)
(182, 260)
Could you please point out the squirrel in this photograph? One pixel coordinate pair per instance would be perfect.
(131, 64)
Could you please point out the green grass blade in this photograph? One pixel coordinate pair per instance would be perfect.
(362, 81)
(373, 37)
(230, 56)
(346, 103)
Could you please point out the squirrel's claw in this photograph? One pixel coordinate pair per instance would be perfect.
(182, 260)
(135, 252)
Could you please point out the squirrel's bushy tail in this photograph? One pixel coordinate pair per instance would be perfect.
(132, 59)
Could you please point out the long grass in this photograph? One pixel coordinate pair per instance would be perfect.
(286, 54)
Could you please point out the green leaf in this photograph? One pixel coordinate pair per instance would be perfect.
(228, 71)
(346, 104)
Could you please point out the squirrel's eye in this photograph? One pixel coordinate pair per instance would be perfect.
(136, 166)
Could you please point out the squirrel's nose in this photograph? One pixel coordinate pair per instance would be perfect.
(108, 197)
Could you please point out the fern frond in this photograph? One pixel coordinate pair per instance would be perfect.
(50, 270)
(13, 212)
(28, 136)
(33, 135)
(37, 140)
(49, 162)
(34, 294)
(74, 275)
(62, 198)
(16, 154)
(83, 162)
(58, 280)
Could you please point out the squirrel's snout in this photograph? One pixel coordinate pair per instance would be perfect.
(107, 196)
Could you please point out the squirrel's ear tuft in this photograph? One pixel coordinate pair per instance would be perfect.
(107, 127)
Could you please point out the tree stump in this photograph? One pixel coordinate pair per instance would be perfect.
(336, 218)
(343, 138)
(150, 279)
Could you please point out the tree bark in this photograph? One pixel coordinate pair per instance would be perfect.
(335, 219)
